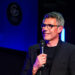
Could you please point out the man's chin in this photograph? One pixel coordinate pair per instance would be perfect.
(46, 39)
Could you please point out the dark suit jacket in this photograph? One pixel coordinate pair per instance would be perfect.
(63, 64)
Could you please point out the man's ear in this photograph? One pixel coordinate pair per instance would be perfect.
(60, 28)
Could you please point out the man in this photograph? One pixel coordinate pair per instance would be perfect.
(58, 57)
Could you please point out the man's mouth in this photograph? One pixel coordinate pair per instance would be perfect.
(46, 33)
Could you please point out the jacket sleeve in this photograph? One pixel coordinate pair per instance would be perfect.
(28, 66)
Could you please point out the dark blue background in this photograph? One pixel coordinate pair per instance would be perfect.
(25, 34)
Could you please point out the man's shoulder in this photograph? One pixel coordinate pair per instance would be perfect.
(67, 48)
(68, 45)
(35, 46)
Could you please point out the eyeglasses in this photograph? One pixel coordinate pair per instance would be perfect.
(49, 25)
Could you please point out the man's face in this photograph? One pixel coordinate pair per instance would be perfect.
(50, 33)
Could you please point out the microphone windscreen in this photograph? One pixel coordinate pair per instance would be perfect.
(42, 43)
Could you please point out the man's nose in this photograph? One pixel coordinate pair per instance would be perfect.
(44, 29)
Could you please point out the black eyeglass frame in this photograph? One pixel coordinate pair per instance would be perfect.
(49, 25)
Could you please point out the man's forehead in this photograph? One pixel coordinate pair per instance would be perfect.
(49, 19)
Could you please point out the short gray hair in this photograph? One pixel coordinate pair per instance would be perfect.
(57, 15)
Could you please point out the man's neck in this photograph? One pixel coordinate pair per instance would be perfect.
(52, 43)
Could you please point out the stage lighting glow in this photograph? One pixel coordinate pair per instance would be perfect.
(63, 35)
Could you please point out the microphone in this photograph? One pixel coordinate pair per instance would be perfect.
(42, 45)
